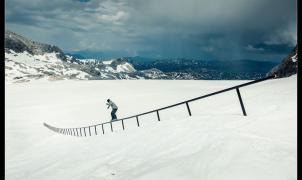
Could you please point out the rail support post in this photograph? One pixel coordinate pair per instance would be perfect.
(95, 130)
(111, 126)
(158, 116)
(188, 108)
(137, 121)
(103, 128)
(241, 102)
(123, 124)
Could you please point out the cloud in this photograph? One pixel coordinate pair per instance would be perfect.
(254, 49)
(284, 36)
(270, 48)
(168, 28)
(113, 18)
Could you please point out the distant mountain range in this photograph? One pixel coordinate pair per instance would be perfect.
(240, 69)
(27, 60)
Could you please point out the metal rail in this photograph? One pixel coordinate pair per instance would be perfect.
(71, 131)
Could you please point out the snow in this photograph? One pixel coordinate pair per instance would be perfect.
(295, 58)
(74, 72)
(33, 60)
(85, 61)
(69, 58)
(109, 69)
(107, 62)
(216, 142)
(24, 67)
(126, 67)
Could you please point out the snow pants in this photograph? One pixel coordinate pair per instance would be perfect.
(113, 116)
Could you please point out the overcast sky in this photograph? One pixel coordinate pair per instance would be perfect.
(204, 29)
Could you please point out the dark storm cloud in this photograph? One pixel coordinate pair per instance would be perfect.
(270, 48)
(161, 28)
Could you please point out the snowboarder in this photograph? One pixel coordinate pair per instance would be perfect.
(114, 109)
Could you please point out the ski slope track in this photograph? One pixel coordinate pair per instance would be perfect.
(216, 142)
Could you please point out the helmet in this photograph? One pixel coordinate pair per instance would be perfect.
(108, 100)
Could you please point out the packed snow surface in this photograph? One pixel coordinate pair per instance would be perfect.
(216, 142)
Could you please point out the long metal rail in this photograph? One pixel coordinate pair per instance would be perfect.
(78, 131)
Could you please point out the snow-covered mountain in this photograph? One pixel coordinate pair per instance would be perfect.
(27, 60)
(24, 67)
(288, 66)
(19, 44)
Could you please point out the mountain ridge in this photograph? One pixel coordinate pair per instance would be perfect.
(288, 66)
(27, 60)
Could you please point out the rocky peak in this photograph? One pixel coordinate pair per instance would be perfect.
(19, 44)
(288, 66)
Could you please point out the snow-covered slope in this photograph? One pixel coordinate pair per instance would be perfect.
(216, 143)
(23, 67)
(20, 44)
(27, 60)
(113, 65)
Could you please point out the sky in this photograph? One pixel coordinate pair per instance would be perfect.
(263, 30)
